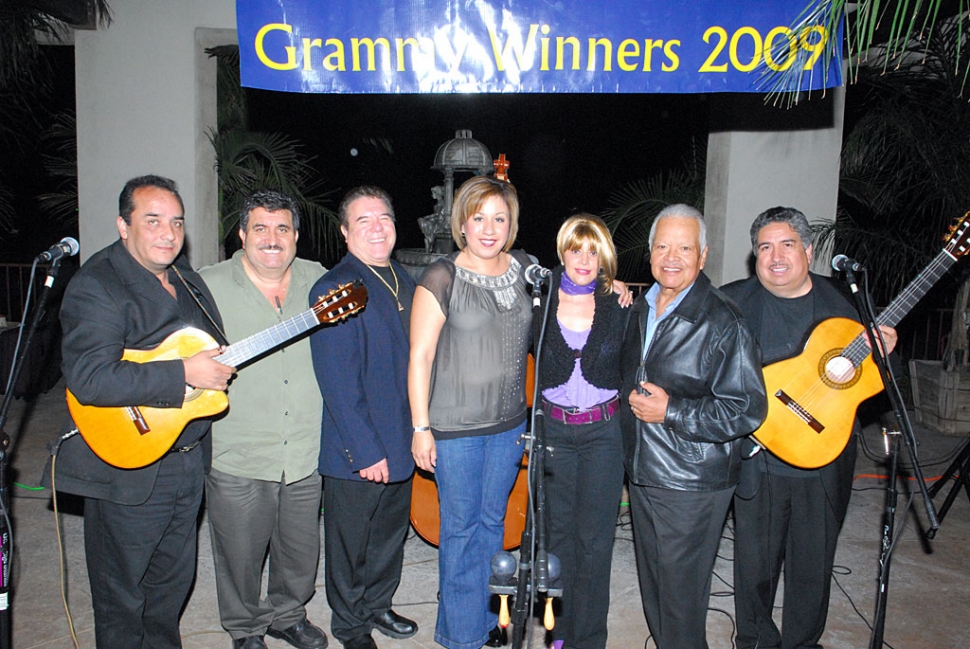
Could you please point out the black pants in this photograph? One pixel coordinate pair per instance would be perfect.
(141, 558)
(584, 484)
(789, 521)
(676, 535)
(365, 524)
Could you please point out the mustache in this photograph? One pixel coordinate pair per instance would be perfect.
(270, 246)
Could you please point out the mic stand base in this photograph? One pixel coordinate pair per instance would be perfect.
(959, 467)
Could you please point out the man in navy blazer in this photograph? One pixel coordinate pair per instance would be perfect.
(365, 451)
(139, 524)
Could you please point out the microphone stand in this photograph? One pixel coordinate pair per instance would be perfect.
(538, 571)
(868, 319)
(6, 544)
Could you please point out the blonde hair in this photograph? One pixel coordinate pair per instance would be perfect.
(469, 200)
(581, 228)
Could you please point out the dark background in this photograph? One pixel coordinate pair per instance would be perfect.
(568, 152)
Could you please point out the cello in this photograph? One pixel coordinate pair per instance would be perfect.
(425, 515)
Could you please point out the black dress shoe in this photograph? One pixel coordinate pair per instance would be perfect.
(395, 626)
(249, 642)
(361, 642)
(497, 637)
(302, 635)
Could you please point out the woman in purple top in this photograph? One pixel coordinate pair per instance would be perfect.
(579, 379)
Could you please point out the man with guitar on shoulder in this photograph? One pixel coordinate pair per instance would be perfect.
(263, 490)
(784, 514)
(139, 524)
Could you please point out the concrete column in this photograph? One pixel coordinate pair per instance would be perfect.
(761, 156)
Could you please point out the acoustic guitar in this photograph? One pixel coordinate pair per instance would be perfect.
(131, 437)
(813, 397)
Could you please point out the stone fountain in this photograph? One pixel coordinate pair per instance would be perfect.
(461, 154)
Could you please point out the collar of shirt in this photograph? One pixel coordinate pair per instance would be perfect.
(652, 318)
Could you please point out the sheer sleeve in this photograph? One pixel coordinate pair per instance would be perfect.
(439, 278)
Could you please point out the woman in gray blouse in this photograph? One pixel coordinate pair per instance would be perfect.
(470, 334)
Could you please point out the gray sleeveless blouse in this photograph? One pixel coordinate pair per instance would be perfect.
(478, 378)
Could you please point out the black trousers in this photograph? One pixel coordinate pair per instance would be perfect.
(141, 559)
(584, 484)
(365, 525)
(789, 522)
(676, 535)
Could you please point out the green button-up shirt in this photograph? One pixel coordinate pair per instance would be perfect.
(272, 428)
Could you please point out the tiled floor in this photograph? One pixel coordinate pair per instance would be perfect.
(929, 587)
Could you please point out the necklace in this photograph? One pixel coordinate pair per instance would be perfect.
(397, 287)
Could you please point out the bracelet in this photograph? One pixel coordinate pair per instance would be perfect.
(422, 429)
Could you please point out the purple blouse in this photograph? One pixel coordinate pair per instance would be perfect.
(577, 392)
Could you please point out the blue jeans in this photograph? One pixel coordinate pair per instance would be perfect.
(475, 477)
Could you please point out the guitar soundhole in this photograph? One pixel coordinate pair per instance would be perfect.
(837, 371)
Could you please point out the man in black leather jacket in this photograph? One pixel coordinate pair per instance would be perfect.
(692, 373)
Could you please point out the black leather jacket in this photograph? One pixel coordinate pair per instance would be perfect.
(709, 363)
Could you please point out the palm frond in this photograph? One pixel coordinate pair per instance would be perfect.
(61, 205)
(633, 207)
(248, 161)
(877, 34)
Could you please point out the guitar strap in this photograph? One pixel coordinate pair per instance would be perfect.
(192, 291)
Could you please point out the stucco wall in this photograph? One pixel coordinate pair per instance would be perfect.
(145, 98)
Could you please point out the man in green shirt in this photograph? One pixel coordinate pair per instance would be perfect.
(263, 490)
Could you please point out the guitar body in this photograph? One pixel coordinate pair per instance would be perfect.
(426, 517)
(823, 402)
(130, 438)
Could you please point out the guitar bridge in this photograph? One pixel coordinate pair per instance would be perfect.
(800, 412)
(138, 419)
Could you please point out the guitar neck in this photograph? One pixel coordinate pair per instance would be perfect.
(246, 349)
(858, 349)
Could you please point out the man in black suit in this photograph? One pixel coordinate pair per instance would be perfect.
(139, 524)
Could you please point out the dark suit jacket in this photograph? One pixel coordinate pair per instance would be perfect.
(113, 303)
(362, 369)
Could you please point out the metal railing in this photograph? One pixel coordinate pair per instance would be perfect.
(14, 281)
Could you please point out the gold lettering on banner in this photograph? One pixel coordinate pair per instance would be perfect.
(261, 53)
(371, 45)
(779, 50)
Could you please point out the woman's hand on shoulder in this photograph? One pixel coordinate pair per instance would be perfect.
(626, 295)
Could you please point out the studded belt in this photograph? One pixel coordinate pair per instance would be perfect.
(599, 412)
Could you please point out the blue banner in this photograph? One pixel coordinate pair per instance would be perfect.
(533, 46)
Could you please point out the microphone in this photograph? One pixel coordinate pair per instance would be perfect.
(842, 263)
(535, 273)
(66, 247)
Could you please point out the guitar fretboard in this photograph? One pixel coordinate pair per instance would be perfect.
(248, 348)
(343, 301)
(858, 349)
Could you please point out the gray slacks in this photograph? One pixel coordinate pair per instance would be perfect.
(247, 517)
